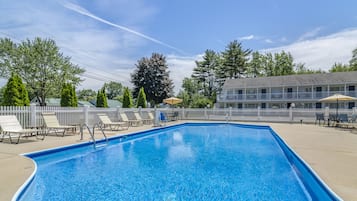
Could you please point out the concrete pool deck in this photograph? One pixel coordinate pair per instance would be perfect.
(331, 152)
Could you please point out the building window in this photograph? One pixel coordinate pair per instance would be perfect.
(351, 105)
(263, 106)
(318, 105)
(240, 106)
(351, 88)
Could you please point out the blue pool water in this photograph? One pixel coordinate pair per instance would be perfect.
(185, 162)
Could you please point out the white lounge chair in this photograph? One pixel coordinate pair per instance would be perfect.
(52, 124)
(132, 122)
(105, 121)
(11, 128)
(147, 118)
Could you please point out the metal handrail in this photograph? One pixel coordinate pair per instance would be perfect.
(91, 133)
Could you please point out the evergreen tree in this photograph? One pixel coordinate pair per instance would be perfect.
(15, 93)
(234, 61)
(141, 100)
(255, 66)
(127, 99)
(353, 61)
(102, 98)
(74, 97)
(152, 74)
(204, 73)
(66, 97)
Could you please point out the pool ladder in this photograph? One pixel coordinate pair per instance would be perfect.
(91, 133)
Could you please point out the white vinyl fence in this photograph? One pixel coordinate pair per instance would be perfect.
(30, 116)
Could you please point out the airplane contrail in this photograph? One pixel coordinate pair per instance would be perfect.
(83, 11)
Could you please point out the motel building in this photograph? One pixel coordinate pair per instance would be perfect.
(299, 91)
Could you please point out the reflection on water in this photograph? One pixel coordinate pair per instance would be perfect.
(179, 150)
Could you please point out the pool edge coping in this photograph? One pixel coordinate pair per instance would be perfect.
(25, 185)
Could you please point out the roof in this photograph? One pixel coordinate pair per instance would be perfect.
(111, 103)
(293, 80)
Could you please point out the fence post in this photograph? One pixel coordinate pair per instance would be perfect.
(139, 108)
(205, 112)
(33, 115)
(85, 113)
(291, 113)
(183, 113)
(327, 111)
(230, 113)
(354, 110)
(258, 112)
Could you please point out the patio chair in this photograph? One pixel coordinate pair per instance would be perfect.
(146, 117)
(344, 122)
(163, 118)
(320, 117)
(52, 124)
(11, 128)
(132, 122)
(105, 121)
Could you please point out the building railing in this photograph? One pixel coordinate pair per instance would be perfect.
(281, 96)
(31, 116)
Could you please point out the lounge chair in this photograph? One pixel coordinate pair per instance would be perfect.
(52, 124)
(344, 122)
(105, 121)
(132, 122)
(145, 119)
(11, 128)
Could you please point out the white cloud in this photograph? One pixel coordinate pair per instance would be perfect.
(181, 67)
(310, 34)
(268, 40)
(322, 52)
(250, 37)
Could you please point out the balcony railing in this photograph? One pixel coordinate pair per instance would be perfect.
(282, 96)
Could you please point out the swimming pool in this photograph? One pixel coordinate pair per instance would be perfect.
(191, 161)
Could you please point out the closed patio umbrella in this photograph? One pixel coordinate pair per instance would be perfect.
(336, 98)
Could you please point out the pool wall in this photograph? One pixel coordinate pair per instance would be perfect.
(317, 189)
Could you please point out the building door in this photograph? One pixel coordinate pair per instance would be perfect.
(288, 105)
(318, 92)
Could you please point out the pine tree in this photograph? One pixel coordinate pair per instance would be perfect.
(101, 98)
(74, 97)
(127, 99)
(66, 97)
(15, 93)
(141, 100)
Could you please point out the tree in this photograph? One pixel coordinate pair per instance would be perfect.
(353, 61)
(68, 96)
(339, 67)
(141, 100)
(101, 98)
(15, 93)
(235, 61)
(186, 99)
(204, 73)
(127, 99)
(200, 101)
(86, 94)
(268, 64)
(113, 90)
(66, 99)
(255, 66)
(284, 64)
(152, 74)
(40, 64)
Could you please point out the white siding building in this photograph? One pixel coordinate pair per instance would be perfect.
(302, 91)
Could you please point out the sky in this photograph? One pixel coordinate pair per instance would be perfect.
(108, 37)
